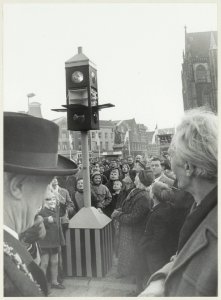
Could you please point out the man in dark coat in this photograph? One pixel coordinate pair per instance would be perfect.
(30, 162)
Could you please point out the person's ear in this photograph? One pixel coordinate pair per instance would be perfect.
(16, 186)
(189, 169)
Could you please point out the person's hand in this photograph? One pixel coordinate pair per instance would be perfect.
(115, 213)
(100, 210)
(50, 219)
(154, 289)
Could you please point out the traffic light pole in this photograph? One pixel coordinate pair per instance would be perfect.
(86, 169)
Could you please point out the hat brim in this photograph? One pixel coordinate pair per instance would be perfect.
(64, 167)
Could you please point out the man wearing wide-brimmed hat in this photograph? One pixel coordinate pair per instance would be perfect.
(31, 160)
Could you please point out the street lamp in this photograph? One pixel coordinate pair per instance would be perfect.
(30, 95)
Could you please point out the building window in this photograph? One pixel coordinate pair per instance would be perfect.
(201, 74)
(101, 145)
(106, 145)
(99, 134)
(106, 135)
(93, 135)
(64, 146)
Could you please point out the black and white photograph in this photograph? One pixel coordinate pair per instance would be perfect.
(110, 148)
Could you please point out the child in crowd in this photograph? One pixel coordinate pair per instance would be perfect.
(114, 175)
(53, 239)
(102, 193)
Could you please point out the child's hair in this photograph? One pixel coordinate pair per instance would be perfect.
(162, 192)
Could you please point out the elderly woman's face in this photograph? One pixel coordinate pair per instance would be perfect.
(178, 168)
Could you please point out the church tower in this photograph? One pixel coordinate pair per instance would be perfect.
(199, 70)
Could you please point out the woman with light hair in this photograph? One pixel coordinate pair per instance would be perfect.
(193, 270)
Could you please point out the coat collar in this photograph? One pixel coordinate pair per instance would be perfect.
(159, 206)
(197, 241)
(10, 231)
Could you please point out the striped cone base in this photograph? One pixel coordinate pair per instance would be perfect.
(88, 252)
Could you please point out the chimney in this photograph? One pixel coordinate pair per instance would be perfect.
(35, 109)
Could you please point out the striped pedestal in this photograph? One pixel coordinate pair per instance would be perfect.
(88, 250)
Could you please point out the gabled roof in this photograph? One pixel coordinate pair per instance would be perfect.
(79, 59)
(59, 120)
(166, 131)
(199, 43)
(106, 123)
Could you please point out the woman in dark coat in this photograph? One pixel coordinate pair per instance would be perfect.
(159, 241)
(131, 218)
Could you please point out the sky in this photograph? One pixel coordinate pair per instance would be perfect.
(136, 47)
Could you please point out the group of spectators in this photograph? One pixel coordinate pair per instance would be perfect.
(164, 221)
(140, 197)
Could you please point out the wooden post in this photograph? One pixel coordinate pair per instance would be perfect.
(89, 245)
(86, 169)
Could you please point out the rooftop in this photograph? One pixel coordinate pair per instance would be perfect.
(199, 43)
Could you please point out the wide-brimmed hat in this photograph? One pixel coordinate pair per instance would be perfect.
(31, 146)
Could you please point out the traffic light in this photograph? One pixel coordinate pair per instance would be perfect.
(82, 94)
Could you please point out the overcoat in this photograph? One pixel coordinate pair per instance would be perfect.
(160, 239)
(132, 223)
(193, 271)
(54, 237)
(22, 276)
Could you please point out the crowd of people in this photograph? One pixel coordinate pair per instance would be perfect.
(163, 211)
(139, 200)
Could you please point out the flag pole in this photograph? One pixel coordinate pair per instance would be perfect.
(70, 144)
(129, 141)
